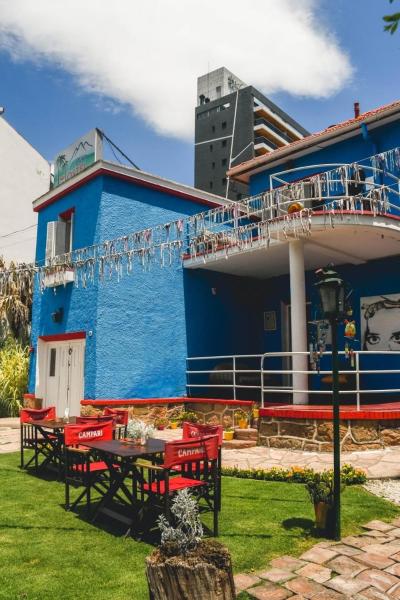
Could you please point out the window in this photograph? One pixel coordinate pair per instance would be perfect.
(223, 124)
(218, 91)
(223, 143)
(213, 165)
(224, 162)
(211, 147)
(52, 368)
(211, 185)
(213, 128)
(59, 235)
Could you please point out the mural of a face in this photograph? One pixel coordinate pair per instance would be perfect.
(383, 330)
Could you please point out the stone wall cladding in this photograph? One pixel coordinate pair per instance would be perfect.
(317, 435)
(210, 413)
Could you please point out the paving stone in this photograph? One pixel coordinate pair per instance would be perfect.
(394, 592)
(244, 581)
(328, 595)
(396, 556)
(344, 565)
(379, 526)
(371, 594)
(395, 532)
(277, 575)
(347, 585)
(268, 591)
(318, 555)
(347, 550)
(394, 569)
(315, 572)
(358, 541)
(304, 587)
(382, 549)
(287, 563)
(379, 579)
(378, 561)
(396, 522)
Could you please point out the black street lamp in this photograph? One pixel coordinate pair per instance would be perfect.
(331, 289)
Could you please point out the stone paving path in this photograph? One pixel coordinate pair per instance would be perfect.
(361, 567)
(376, 463)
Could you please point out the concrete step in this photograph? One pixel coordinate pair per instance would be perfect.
(238, 444)
(246, 434)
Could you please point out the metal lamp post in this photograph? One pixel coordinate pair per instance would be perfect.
(331, 289)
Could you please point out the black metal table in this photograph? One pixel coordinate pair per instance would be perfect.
(120, 457)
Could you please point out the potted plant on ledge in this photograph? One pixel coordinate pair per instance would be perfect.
(242, 419)
(228, 428)
(161, 423)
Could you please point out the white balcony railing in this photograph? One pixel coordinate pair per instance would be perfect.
(233, 373)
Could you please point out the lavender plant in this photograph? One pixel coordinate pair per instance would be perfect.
(188, 532)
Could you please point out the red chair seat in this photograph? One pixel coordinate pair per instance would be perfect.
(93, 466)
(176, 483)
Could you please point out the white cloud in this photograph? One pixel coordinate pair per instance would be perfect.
(149, 54)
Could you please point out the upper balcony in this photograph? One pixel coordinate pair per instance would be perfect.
(347, 214)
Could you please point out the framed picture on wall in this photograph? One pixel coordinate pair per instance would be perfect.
(270, 320)
(380, 322)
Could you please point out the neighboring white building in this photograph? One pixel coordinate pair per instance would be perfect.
(24, 176)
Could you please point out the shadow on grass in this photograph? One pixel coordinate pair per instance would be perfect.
(306, 525)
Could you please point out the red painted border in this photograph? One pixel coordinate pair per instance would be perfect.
(67, 214)
(184, 400)
(388, 411)
(137, 180)
(62, 337)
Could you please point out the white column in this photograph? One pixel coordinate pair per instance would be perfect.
(298, 319)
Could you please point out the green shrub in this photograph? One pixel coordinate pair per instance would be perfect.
(349, 475)
(14, 361)
(188, 417)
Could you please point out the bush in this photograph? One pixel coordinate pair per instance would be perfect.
(349, 474)
(14, 363)
(188, 417)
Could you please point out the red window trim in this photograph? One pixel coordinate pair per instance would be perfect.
(62, 337)
(67, 214)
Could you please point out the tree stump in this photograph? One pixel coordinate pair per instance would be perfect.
(205, 574)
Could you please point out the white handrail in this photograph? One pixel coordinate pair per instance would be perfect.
(236, 371)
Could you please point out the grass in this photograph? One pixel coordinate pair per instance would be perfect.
(47, 553)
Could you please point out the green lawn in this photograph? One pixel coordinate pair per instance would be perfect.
(46, 553)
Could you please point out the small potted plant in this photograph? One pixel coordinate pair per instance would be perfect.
(173, 424)
(188, 416)
(228, 428)
(161, 423)
(241, 419)
(138, 432)
(320, 489)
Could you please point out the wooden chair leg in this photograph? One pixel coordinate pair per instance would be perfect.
(88, 500)
(22, 449)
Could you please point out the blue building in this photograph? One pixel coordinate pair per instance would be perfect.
(118, 315)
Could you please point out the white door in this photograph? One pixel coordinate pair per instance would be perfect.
(64, 376)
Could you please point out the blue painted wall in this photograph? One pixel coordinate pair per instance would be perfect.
(138, 346)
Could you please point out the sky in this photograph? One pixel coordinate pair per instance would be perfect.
(130, 68)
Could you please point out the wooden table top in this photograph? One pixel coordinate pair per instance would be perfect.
(127, 449)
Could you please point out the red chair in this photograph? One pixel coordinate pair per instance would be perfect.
(28, 432)
(92, 420)
(198, 460)
(121, 418)
(193, 430)
(81, 468)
